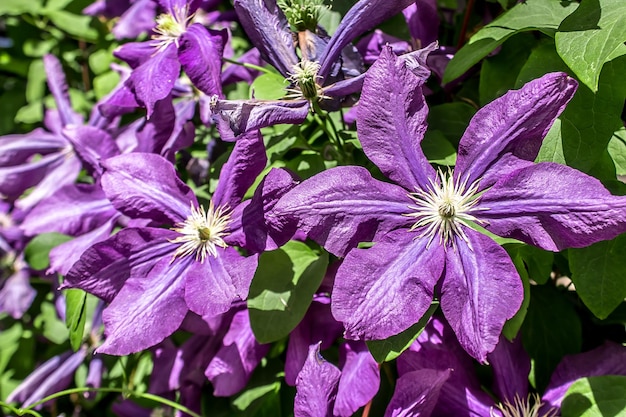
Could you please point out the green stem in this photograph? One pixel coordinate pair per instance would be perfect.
(251, 66)
(20, 411)
(122, 391)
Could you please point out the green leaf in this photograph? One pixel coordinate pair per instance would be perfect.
(36, 86)
(438, 149)
(390, 348)
(75, 315)
(617, 150)
(37, 251)
(17, 7)
(589, 37)
(49, 324)
(282, 289)
(551, 330)
(514, 324)
(528, 15)
(30, 113)
(451, 119)
(75, 25)
(104, 83)
(269, 86)
(598, 274)
(596, 396)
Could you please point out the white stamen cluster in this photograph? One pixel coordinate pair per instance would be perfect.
(202, 232)
(528, 407)
(304, 76)
(443, 207)
(171, 27)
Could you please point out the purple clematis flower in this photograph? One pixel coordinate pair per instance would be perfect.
(425, 225)
(153, 276)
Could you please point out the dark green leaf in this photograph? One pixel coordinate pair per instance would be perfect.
(596, 396)
(438, 149)
(282, 289)
(617, 150)
(75, 315)
(390, 348)
(38, 249)
(451, 119)
(591, 36)
(598, 273)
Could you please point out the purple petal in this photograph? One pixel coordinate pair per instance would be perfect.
(147, 309)
(240, 171)
(232, 366)
(58, 88)
(481, 289)
(146, 185)
(391, 121)
(91, 144)
(244, 115)
(32, 381)
(103, 269)
(234, 73)
(341, 207)
(121, 101)
(422, 19)
(267, 27)
(16, 294)
(157, 130)
(515, 124)
(137, 19)
(241, 269)
(383, 290)
(200, 54)
(360, 379)
(608, 359)
(316, 386)
(135, 53)
(363, 16)
(511, 367)
(554, 207)
(371, 45)
(154, 79)
(18, 149)
(416, 393)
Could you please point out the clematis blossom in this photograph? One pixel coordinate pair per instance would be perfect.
(153, 276)
(428, 225)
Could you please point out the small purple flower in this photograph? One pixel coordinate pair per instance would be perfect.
(152, 276)
(426, 227)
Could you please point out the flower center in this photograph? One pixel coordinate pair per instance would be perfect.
(202, 232)
(442, 207)
(302, 14)
(171, 27)
(528, 407)
(304, 76)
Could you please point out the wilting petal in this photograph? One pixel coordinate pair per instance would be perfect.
(391, 120)
(554, 207)
(147, 309)
(341, 207)
(514, 124)
(200, 54)
(267, 27)
(230, 369)
(146, 185)
(608, 359)
(103, 269)
(481, 290)
(316, 386)
(154, 79)
(363, 16)
(58, 88)
(416, 393)
(511, 367)
(240, 171)
(245, 115)
(383, 290)
(360, 378)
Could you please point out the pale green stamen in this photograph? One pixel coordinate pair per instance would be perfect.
(171, 27)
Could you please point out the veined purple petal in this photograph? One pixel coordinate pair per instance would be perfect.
(232, 366)
(18, 149)
(371, 45)
(608, 359)
(16, 294)
(137, 19)
(121, 101)
(200, 54)
(423, 21)
(316, 386)
(244, 115)
(157, 130)
(515, 123)
(241, 270)
(391, 121)
(147, 309)
(91, 144)
(240, 171)
(416, 393)
(359, 381)
(29, 384)
(511, 367)
(135, 53)
(363, 16)
(267, 27)
(481, 290)
(154, 79)
(382, 291)
(341, 207)
(146, 185)
(554, 207)
(103, 269)
(58, 88)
